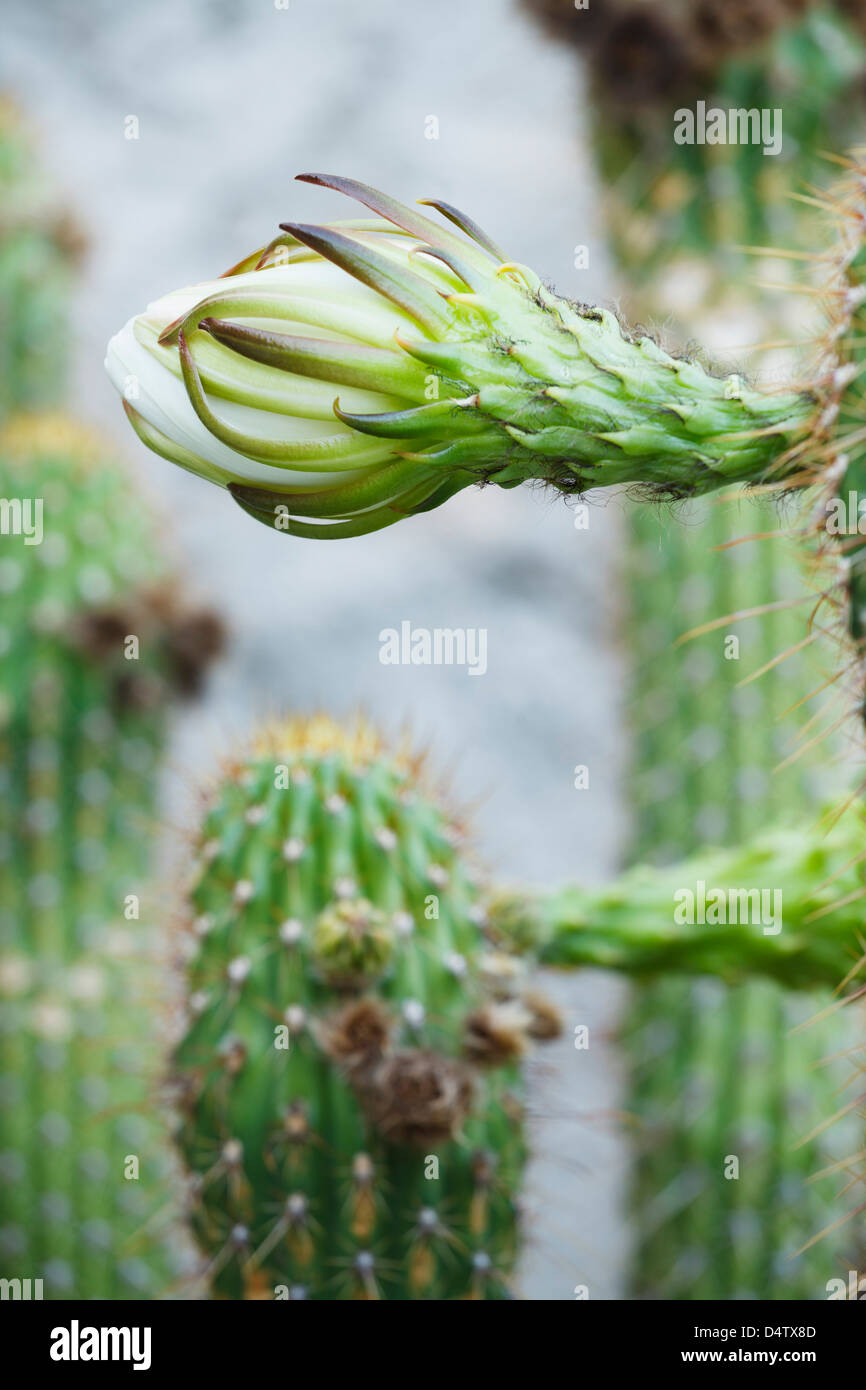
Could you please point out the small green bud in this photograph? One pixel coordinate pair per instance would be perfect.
(352, 944)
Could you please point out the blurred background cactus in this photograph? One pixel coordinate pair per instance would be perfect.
(40, 248)
(94, 646)
(679, 215)
(348, 1080)
(715, 1070)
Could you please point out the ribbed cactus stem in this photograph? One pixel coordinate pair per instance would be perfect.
(348, 1079)
(717, 1070)
(743, 1075)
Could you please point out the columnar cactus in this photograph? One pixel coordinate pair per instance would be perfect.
(711, 766)
(473, 371)
(38, 249)
(348, 1081)
(92, 645)
(728, 1085)
(719, 1076)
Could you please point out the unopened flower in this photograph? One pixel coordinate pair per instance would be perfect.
(345, 376)
(352, 943)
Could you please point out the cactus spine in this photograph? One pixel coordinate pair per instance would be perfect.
(347, 1080)
(81, 729)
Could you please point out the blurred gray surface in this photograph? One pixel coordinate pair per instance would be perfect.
(232, 101)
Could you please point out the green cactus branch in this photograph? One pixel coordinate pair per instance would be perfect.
(788, 906)
(717, 1069)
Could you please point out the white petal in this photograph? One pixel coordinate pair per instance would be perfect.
(158, 393)
(160, 397)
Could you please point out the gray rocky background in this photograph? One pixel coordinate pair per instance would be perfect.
(232, 99)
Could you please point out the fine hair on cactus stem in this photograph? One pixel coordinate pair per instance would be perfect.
(345, 376)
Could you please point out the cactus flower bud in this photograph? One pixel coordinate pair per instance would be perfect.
(345, 376)
(352, 944)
